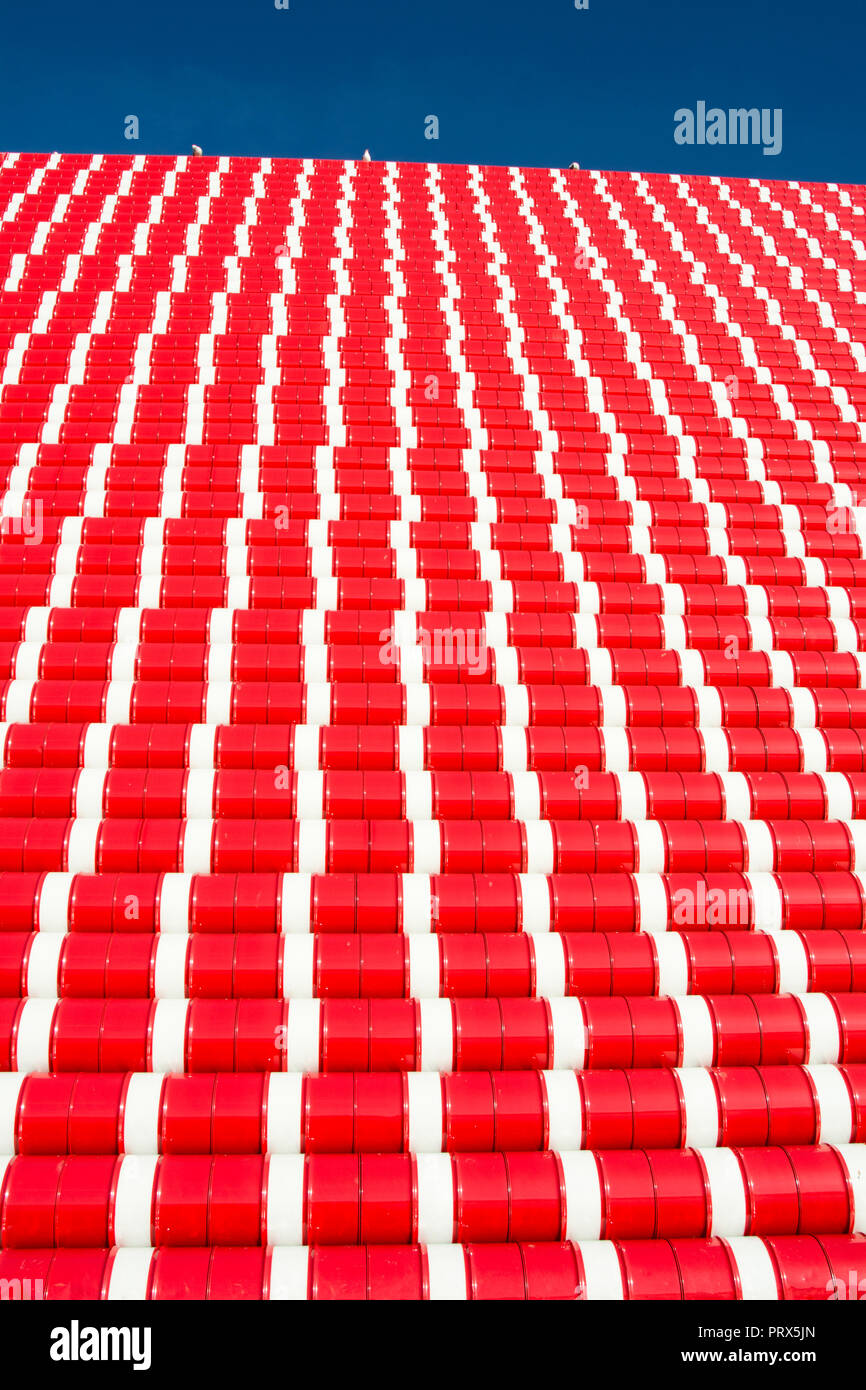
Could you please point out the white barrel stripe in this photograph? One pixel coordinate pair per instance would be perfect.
(853, 1157)
(549, 955)
(727, 1198)
(424, 967)
(793, 962)
(426, 846)
(43, 963)
(759, 846)
(169, 971)
(299, 967)
(417, 903)
(434, 1174)
(32, 1042)
(295, 903)
(633, 799)
(583, 1196)
(199, 794)
(617, 750)
(168, 1035)
(755, 1268)
(602, 1271)
(824, 1042)
(81, 846)
(701, 1110)
(289, 1274)
(698, 1032)
(174, 902)
(418, 795)
(197, 846)
(569, 1042)
(89, 792)
(142, 1106)
(835, 1107)
(284, 1204)
(283, 1110)
(312, 846)
(424, 1112)
(306, 744)
(650, 847)
(535, 904)
(133, 1200)
(130, 1274)
(768, 902)
(437, 1035)
(673, 964)
(53, 903)
(302, 1040)
(526, 796)
(540, 847)
(446, 1273)
(653, 908)
(564, 1111)
(10, 1092)
(309, 795)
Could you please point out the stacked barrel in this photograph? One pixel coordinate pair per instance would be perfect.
(433, 742)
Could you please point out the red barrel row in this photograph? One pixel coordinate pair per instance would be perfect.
(346, 628)
(281, 794)
(770, 571)
(444, 847)
(288, 561)
(381, 966)
(263, 747)
(582, 445)
(525, 595)
(398, 1199)
(787, 461)
(600, 507)
(383, 903)
(296, 563)
(458, 1112)
(556, 706)
(380, 595)
(668, 498)
(464, 656)
(796, 1268)
(433, 1034)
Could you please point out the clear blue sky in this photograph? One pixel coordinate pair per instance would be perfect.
(532, 82)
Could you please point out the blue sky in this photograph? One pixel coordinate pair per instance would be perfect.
(533, 82)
